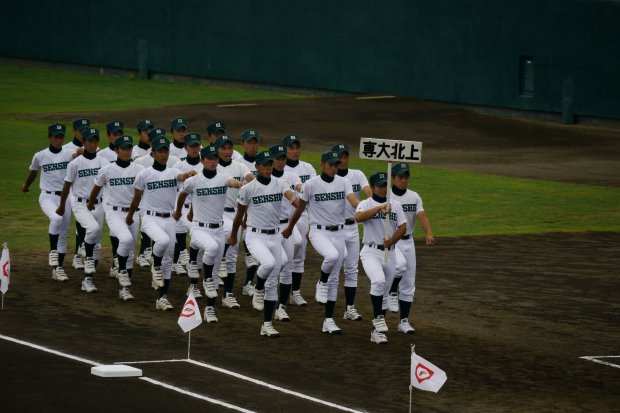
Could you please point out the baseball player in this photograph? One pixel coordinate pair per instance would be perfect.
(208, 196)
(178, 128)
(148, 160)
(52, 162)
(240, 172)
(261, 199)
(405, 248)
(326, 196)
(114, 130)
(192, 161)
(278, 153)
(117, 178)
(305, 171)
(216, 129)
(81, 173)
(250, 141)
(141, 149)
(77, 146)
(155, 191)
(372, 213)
(359, 184)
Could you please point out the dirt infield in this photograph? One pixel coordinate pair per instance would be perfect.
(507, 317)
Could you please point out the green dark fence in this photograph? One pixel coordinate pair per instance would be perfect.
(545, 55)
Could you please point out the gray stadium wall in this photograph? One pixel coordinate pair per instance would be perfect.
(542, 55)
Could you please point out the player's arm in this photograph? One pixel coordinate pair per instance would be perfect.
(135, 203)
(426, 226)
(301, 205)
(249, 177)
(241, 210)
(289, 194)
(184, 175)
(180, 202)
(397, 235)
(298, 186)
(234, 183)
(63, 198)
(353, 200)
(361, 216)
(367, 191)
(29, 180)
(93, 197)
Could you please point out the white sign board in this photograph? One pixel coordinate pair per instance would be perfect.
(390, 150)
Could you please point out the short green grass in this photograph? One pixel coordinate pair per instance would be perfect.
(458, 203)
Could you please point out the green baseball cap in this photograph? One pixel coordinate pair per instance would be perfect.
(209, 152)
(124, 141)
(156, 133)
(81, 123)
(57, 129)
(160, 143)
(192, 139)
(400, 169)
(341, 148)
(263, 157)
(215, 126)
(277, 151)
(115, 126)
(250, 134)
(330, 157)
(144, 125)
(290, 139)
(378, 179)
(178, 123)
(90, 134)
(223, 140)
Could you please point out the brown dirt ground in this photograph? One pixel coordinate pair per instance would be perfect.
(507, 317)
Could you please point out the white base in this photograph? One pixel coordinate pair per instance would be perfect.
(115, 370)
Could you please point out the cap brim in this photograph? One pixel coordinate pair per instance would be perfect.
(115, 130)
(57, 133)
(125, 145)
(177, 127)
(381, 182)
(90, 138)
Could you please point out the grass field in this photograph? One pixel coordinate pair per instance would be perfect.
(458, 203)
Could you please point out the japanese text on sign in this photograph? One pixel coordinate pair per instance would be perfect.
(390, 150)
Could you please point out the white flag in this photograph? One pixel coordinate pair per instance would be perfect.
(190, 316)
(425, 375)
(5, 270)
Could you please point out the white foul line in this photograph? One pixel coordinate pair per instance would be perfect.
(235, 105)
(595, 359)
(49, 350)
(374, 97)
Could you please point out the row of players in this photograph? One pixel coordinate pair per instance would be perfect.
(218, 196)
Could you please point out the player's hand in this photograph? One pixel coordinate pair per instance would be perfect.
(78, 152)
(191, 173)
(176, 215)
(190, 215)
(129, 220)
(90, 206)
(286, 232)
(295, 202)
(387, 243)
(232, 240)
(61, 210)
(430, 240)
(386, 208)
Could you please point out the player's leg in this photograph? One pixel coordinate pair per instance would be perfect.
(351, 270)
(179, 245)
(211, 241)
(401, 268)
(286, 277)
(372, 261)
(91, 237)
(126, 236)
(299, 260)
(49, 204)
(407, 286)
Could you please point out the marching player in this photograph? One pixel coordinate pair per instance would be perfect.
(359, 184)
(216, 129)
(117, 178)
(157, 187)
(114, 130)
(262, 200)
(53, 162)
(178, 128)
(147, 160)
(326, 196)
(372, 213)
(405, 248)
(208, 194)
(144, 143)
(81, 173)
(305, 171)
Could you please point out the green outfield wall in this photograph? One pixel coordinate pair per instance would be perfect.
(559, 56)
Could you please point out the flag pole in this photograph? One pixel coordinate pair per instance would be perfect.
(189, 342)
(3, 301)
(410, 386)
(387, 216)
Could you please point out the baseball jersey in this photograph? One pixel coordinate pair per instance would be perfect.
(303, 169)
(358, 180)
(411, 204)
(73, 145)
(108, 153)
(374, 228)
(185, 166)
(291, 180)
(118, 182)
(326, 200)
(264, 202)
(235, 170)
(81, 172)
(53, 168)
(147, 161)
(159, 189)
(236, 155)
(208, 195)
(139, 150)
(177, 151)
(251, 164)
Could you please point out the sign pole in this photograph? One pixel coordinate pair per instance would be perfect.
(387, 216)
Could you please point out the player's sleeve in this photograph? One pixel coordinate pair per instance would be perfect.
(244, 195)
(348, 188)
(362, 206)
(189, 185)
(418, 204)
(285, 186)
(306, 191)
(140, 183)
(35, 165)
(363, 180)
(244, 170)
(102, 177)
(71, 171)
(401, 218)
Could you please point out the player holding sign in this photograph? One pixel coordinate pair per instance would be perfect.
(372, 213)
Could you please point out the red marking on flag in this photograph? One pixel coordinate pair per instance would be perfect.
(6, 268)
(189, 310)
(423, 373)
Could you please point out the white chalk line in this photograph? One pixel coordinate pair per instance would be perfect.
(375, 97)
(249, 379)
(595, 359)
(236, 105)
(147, 379)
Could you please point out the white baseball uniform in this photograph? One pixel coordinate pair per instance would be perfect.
(139, 150)
(108, 153)
(294, 241)
(183, 225)
(178, 149)
(147, 161)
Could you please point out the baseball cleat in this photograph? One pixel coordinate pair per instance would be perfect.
(297, 299)
(248, 289)
(193, 270)
(123, 278)
(194, 288)
(352, 314)
(163, 304)
(148, 254)
(114, 268)
(88, 285)
(393, 302)
(209, 315)
(52, 259)
(178, 269)
(281, 314)
(329, 326)
(58, 274)
(82, 251)
(89, 266)
(230, 301)
(142, 261)
(266, 329)
(321, 292)
(223, 272)
(210, 288)
(158, 277)
(125, 295)
(377, 337)
(184, 257)
(258, 300)
(405, 328)
(78, 262)
(379, 324)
